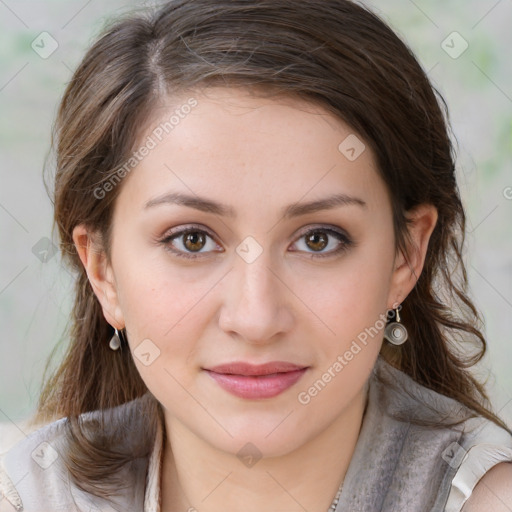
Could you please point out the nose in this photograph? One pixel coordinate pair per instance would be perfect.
(256, 306)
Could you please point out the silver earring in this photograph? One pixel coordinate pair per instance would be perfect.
(115, 341)
(396, 332)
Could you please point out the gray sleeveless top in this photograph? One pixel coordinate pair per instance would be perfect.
(404, 459)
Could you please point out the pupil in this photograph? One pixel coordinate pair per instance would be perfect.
(194, 238)
(316, 238)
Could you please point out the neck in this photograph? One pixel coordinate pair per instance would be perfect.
(197, 476)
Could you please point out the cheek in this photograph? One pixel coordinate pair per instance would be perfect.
(353, 295)
(162, 314)
(150, 304)
(169, 306)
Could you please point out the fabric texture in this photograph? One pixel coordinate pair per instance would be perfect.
(399, 465)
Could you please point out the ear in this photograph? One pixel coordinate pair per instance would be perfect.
(99, 272)
(421, 221)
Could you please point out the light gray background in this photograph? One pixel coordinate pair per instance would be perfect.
(35, 296)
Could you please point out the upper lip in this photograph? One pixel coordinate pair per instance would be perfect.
(242, 368)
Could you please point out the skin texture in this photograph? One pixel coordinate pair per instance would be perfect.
(493, 492)
(256, 156)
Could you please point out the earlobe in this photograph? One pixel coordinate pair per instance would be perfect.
(99, 273)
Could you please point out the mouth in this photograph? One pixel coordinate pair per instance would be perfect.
(255, 370)
(250, 381)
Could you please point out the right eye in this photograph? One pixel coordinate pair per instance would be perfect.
(190, 241)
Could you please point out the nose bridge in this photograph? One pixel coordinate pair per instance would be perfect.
(253, 268)
(256, 282)
(254, 307)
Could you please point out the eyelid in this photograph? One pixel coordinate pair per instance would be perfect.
(326, 227)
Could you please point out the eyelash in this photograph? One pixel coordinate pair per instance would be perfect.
(346, 242)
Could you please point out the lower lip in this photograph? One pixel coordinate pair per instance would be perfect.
(265, 386)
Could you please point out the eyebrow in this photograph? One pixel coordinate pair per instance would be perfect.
(293, 210)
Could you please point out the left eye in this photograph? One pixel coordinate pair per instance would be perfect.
(318, 239)
(193, 240)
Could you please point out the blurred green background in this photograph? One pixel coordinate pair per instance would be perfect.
(35, 296)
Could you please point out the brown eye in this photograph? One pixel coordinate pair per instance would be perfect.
(194, 240)
(189, 243)
(317, 240)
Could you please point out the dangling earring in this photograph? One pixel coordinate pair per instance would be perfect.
(396, 332)
(115, 341)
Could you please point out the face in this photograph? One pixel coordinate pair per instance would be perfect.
(242, 267)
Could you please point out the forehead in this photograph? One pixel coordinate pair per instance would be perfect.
(230, 144)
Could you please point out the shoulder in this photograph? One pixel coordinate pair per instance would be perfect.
(35, 474)
(493, 492)
(484, 476)
(483, 464)
(475, 453)
(29, 465)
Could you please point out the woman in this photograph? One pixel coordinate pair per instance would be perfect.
(259, 200)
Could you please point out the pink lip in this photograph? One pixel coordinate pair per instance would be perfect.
(256, 381)
(242, 368)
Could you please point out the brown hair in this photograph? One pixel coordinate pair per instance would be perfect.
(335, 53)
